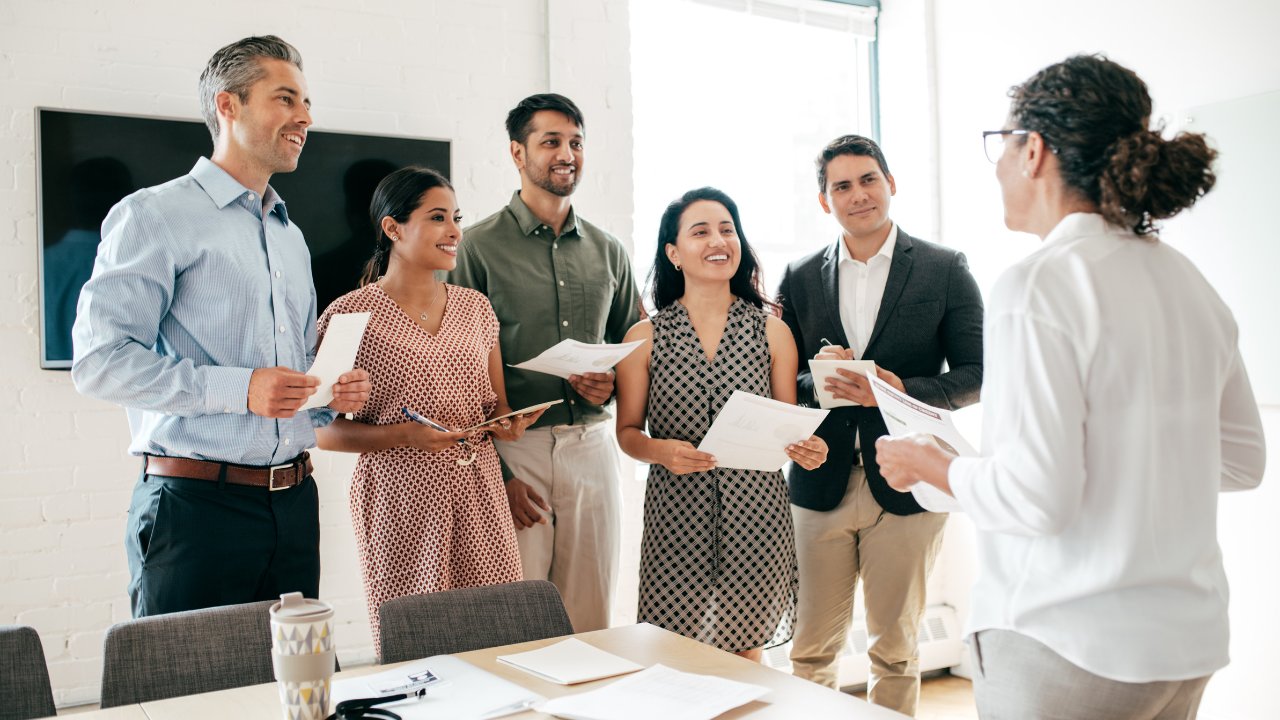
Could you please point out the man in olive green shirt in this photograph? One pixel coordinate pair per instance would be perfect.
(552, 276)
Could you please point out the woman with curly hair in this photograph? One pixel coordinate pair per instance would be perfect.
(1117, 408)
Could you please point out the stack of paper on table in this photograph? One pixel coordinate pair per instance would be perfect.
(468, 693)
(753, 432)
(904, 415)
(569, 662)
(570, 357)
(658, 692)
(823, 369)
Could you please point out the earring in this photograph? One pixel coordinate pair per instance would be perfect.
(396, 238)
(677, 266)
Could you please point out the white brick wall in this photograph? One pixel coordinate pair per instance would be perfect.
(432, 68)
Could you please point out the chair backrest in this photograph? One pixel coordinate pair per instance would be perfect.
(184, 653)
(24, 679)
(454, 621)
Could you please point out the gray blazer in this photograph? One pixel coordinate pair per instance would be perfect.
(931, 311)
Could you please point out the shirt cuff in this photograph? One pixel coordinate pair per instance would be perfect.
(226, 389)
(321, 417)
(959, 473)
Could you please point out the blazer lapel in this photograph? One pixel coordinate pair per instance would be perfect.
(899, 270)
(831, 291)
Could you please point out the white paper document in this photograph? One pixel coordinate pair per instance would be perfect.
(904, 415)
(570, 662)
(570, 357)
(753, 432)
(466, 692)
(823, 369)
(337, 355)
(658, 692)
(523, 411)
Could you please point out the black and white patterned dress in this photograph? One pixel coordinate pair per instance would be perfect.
(718, 559)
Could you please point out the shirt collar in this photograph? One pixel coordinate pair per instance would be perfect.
(530, 222)
(885, 251)
(1079, 225)
(224, 189)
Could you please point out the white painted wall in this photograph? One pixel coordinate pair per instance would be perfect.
(430, 68)
(1189, 54)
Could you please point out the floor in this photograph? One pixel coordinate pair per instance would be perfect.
(944, 698)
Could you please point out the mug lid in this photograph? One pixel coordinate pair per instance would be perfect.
(294, 605)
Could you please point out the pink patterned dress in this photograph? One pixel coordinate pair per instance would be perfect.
(423, 522)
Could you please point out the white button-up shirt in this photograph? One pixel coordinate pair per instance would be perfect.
(1116, 409)
(862, 289)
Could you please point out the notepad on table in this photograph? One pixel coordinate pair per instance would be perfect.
(659, 692)
(570, 662)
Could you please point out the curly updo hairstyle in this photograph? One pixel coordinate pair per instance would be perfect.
(397, 196)
(1094, 114)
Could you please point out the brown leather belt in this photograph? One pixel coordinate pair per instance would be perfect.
(275, 477)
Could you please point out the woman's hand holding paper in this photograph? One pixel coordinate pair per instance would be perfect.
(808, 454)
(682, 458)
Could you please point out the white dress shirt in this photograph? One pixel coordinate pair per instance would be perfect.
(1116, 408)
(862, 289)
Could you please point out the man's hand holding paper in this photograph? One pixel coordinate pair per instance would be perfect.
(849, 385)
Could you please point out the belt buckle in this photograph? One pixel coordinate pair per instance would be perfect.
(271, 480)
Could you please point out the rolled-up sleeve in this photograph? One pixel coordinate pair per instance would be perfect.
(118, 321)
(1244, 448)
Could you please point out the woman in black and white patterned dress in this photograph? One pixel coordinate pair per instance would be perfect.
(718, 560)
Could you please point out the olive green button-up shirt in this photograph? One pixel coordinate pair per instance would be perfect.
(546, 289)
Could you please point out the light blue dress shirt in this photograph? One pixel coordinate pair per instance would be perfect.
(197, 283)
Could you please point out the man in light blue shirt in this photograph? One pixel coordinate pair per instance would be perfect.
(200, 319)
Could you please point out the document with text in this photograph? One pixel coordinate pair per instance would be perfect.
(753, 432)
(823, 369)
(570, 357)
(570, 662)
(904, 415)
(337, 355)
(659, 692)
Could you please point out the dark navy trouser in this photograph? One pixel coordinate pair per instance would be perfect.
(194, 544)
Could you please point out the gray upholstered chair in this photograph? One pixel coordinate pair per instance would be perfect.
(184, 653)
(454, 621)
(24, 679)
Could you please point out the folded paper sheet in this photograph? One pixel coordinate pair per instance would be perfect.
(752, 432)
(337, 355)
(570, 662)
(467, 692)
(904, 415)
(570, 357)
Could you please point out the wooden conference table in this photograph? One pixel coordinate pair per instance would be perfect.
(644, 644)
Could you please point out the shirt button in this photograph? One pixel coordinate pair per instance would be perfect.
(251, 196)
(564, 323)
(277, 273)
(228, 410)
(286, 441)
(168, 412)
(561, 283)
(555, 245)
(281, 328)
(538, 231)
(573, 402)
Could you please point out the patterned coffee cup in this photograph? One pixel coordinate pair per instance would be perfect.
(303, 653)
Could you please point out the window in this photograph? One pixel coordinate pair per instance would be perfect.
(742, 95)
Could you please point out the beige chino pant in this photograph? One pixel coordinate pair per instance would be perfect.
(1020, 678)
(575, 470)
(893, 555)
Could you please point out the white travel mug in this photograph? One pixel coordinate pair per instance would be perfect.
(303, 653)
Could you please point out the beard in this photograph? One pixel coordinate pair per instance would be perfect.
(543, 178)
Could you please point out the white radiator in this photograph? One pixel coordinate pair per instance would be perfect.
(940, 647)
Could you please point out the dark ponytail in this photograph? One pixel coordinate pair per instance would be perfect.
(1094, 115)
(396, 197)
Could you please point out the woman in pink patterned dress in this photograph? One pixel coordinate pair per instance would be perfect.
(429, 511)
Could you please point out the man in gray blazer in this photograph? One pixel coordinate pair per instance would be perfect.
(875, 294)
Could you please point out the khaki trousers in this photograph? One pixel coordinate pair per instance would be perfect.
(575, 469)
(893, 555)
(1020, 678)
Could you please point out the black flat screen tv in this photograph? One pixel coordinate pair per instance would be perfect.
(86, 162)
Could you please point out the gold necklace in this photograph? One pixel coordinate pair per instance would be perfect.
(421, 314)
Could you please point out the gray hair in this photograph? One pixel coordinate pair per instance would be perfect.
(235, 68)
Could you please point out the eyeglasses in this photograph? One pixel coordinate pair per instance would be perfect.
(993, 142)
